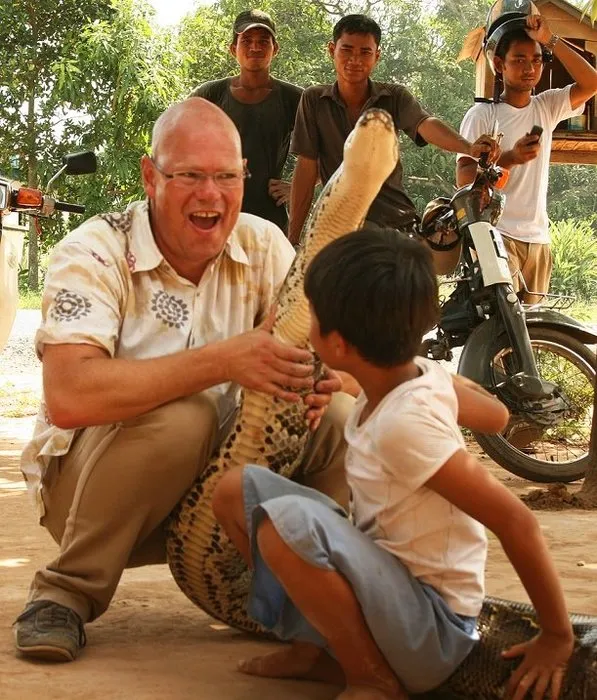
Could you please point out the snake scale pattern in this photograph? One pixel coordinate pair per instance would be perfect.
(273, 434)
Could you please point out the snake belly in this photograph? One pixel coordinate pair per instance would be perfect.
(267, 431)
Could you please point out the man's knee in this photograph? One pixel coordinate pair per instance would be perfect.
(186, 428)
(178, 419)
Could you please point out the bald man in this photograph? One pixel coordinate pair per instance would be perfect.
(150, 326)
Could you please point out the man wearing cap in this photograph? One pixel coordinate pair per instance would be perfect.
(263, 109)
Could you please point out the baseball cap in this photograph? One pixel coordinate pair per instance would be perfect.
(249, 19)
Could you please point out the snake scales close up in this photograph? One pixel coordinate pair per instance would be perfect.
(273, 434)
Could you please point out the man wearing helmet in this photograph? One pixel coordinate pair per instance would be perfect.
(516, 48)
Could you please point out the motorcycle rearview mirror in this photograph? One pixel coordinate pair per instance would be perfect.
(81, 163)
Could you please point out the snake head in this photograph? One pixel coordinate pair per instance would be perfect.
(373, 144)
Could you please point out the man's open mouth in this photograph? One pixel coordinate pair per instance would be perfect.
(205, 219)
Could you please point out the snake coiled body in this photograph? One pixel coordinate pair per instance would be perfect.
(273, 434)
(267, 431)
(502, 623)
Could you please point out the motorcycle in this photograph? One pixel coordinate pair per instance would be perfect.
(14, 197)
(535, 359)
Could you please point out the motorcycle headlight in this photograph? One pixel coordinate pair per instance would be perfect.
(439, 225)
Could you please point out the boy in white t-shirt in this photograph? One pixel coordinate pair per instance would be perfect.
(524, 223)
(386, 602)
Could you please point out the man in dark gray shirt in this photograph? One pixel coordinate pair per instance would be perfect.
(263, 109)
(327, 114)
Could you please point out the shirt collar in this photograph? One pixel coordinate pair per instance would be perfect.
(142, 246)
(376, 90)
(145, 252)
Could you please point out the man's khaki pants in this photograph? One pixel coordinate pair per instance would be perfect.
(533, 261)
(108, 498)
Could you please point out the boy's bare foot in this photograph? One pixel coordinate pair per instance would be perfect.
(297, 660)
(363, 692)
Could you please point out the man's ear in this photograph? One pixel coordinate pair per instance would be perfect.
(331, 48)
(232, 49)
(148, 176)
(276, 48)
(498, 64)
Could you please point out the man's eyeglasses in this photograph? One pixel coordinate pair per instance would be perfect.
(226, 179)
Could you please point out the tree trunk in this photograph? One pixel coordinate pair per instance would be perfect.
(588, 493)
(33, 257)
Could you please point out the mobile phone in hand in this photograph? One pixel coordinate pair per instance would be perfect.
(536, 131)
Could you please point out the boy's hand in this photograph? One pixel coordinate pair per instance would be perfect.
(486, 144)
(320, 400)
(542, 668)
(538, 29)
(526, 149)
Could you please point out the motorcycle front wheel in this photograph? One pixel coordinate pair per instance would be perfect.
(558, 452)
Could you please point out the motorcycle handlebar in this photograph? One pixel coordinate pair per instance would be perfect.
(72, 208)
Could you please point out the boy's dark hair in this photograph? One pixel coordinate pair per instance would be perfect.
(509, 38)
(357, 24)
(377, 288)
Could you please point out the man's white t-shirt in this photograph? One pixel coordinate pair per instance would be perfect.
(409, 436)
(525, 211)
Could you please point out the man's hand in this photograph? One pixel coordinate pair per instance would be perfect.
(279, 191)
(485, 144)
(258, 361)
(525, 149)
(543, 666)
(538, 29)
(320, 400)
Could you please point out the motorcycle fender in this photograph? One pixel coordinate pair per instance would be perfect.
(548, 318)
(475, 355)
(491, 252)
(474, 359)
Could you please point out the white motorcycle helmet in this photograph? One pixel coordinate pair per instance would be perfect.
(505, 16)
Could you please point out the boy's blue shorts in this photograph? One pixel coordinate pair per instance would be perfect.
(421, 638)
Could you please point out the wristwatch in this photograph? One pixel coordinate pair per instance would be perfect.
(551, 43)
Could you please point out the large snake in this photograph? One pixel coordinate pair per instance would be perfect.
(273, 434)
(268, 431)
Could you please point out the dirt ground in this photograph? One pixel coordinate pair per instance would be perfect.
(154, 643)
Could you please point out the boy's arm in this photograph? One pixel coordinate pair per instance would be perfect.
(470, 487)
(478, 410)
(583, 73)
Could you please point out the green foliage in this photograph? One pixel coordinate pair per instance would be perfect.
(29, 299)
(590, 8)
(96, 74)
(574, 250)
(303, 32)
(91, 75)
(572, 193)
